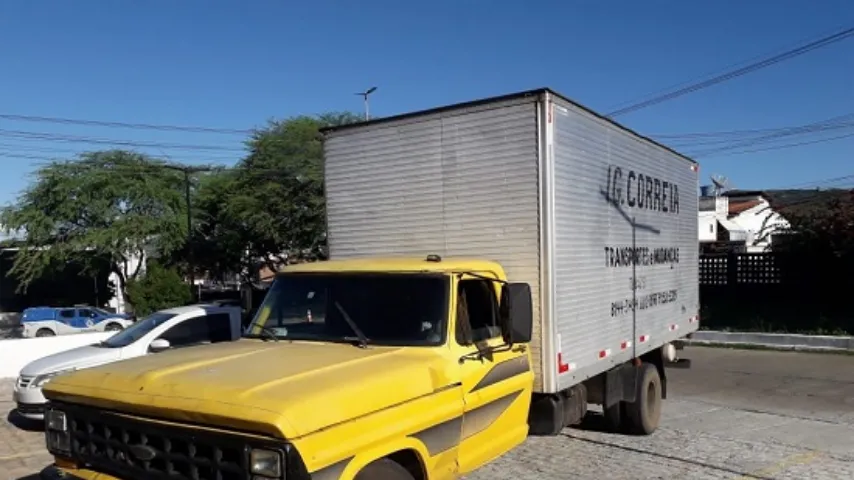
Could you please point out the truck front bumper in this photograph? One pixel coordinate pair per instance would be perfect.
(55, 473)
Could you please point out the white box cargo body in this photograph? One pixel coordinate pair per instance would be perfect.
(596, 218)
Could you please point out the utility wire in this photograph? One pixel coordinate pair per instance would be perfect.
(719, 71)
(727, 135)
(54, 137)
(138, 126)
(776, 147)
(767, 62)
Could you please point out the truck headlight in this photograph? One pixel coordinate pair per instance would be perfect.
(267, 463)
(56, 431)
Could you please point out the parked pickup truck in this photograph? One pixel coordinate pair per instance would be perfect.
(497, 266)
(50, 321)
(167, 329)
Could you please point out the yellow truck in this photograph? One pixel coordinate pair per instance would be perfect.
(497, 266)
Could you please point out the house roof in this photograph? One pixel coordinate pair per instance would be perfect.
(740, 206)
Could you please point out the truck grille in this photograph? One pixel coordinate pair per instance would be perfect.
(134, 449)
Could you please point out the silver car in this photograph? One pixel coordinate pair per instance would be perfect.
(163, 330)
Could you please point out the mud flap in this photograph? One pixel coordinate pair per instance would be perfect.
(621, 385)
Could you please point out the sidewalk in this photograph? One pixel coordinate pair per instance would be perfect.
(776, 341)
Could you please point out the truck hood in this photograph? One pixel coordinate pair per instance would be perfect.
(282, 389)
(81, 357)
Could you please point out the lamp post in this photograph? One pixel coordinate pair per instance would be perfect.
(365, 95)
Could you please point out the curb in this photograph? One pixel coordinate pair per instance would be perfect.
(776, 341)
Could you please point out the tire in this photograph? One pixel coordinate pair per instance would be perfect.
(45, 332)
(384, 469)
(643, 415)
(113, 327)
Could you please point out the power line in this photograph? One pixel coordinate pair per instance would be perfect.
(818, 183)
(54, 137)
(721, 70)
(767, 62)
(728, 150)
(138, 126)
(726, 135)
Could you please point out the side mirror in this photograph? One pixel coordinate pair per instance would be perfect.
(517, 313)
(159, 345)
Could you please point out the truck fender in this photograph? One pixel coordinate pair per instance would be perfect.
(357, 463)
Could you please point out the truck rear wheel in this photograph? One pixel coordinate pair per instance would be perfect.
(45, 332)
(383, 469)
(642, 415)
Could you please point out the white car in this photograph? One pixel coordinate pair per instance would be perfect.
(51, 321)
(163, 330)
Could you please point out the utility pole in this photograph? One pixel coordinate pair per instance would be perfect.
(191, 267)
(365, 95)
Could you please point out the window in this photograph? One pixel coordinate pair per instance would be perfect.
(84, 313)
(477, 312)
(389, 309)
(219, 325)
(210, 328)
(137, 330)
(68, 314)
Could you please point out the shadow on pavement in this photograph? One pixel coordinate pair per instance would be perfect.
(592, 422)
(24, 423)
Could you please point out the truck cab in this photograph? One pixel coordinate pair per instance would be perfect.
(381, 368)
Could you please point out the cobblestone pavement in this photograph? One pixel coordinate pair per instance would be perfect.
(747, 415)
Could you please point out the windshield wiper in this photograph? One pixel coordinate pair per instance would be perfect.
(268, 330)
(363, 340)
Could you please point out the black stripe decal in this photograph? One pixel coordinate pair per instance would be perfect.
(502, 371)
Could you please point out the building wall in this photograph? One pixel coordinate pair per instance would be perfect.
(760, 222)
(707, 227)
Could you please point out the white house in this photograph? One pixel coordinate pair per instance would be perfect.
(740, 220)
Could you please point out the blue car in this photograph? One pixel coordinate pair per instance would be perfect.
(51, 321)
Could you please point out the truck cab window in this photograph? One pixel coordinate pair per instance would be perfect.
(477, 318)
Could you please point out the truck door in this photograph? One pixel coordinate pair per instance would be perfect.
(496, 381)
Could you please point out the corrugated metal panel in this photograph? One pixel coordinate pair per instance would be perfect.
(593, 282)
(459, 182)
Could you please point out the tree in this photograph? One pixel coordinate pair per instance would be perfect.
(826, 229)
(159, 288)
(118, 205)
(270, 209)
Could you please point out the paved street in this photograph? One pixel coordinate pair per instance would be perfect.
(735, 415)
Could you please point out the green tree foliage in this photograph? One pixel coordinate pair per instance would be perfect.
(826, 230)
(159, 288)
(110, 204)
(270, 209)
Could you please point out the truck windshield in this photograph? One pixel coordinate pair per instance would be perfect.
(389, 309)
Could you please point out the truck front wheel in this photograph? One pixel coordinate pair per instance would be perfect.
(383, 469)
(642, 415)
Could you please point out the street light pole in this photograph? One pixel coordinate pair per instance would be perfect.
(365, 95)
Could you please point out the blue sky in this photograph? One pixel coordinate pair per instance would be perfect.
(234, 64)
